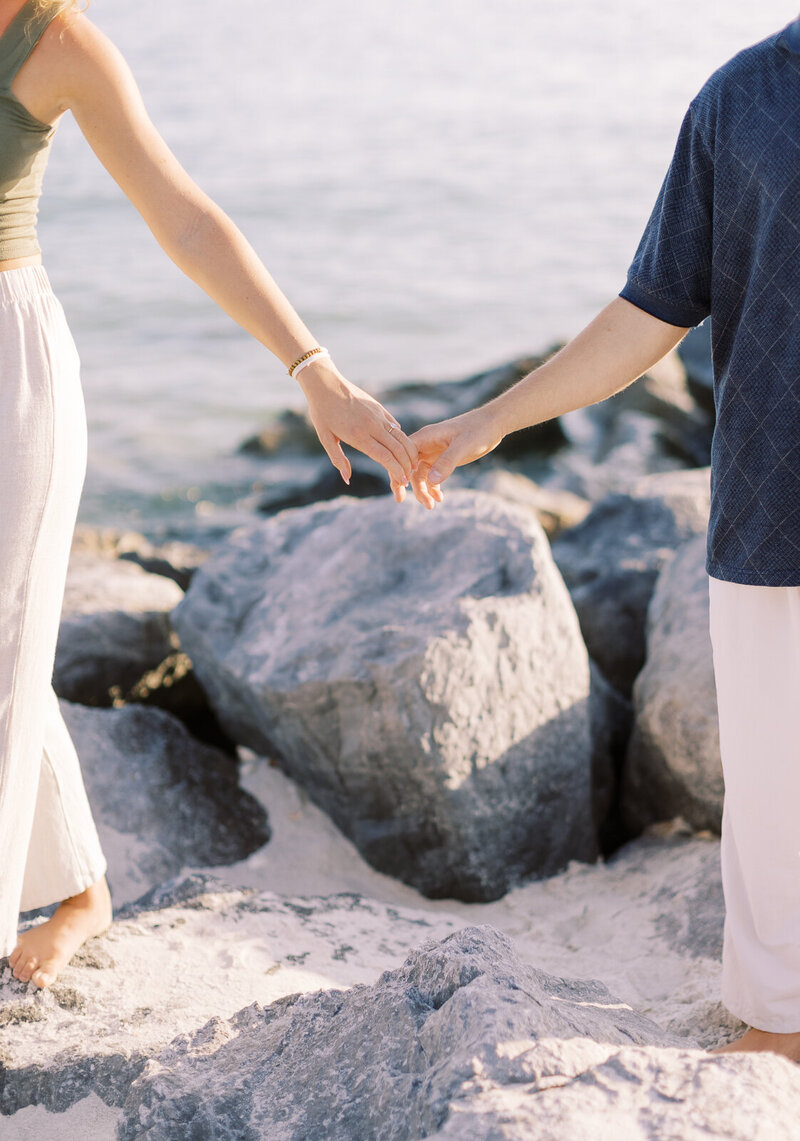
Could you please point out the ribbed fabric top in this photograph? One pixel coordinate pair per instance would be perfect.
(24, 140)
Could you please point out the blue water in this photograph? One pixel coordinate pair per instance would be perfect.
(438, 185)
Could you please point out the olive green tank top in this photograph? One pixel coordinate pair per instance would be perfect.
(24, 141)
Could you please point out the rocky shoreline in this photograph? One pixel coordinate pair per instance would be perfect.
(412, 819)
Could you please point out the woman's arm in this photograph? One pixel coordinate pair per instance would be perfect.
(620, 344)
(83, 72)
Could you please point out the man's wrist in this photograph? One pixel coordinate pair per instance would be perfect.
(499, 415)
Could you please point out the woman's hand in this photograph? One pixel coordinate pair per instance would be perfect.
(447, 445)
(343, 413)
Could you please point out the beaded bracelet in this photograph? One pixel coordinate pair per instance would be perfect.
(307, 358)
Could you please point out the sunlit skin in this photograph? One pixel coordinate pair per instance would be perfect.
(620, 344)
(757, 1041)
(76, 68)
(43, 951)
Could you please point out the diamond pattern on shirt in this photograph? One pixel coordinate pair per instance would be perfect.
(723, 241)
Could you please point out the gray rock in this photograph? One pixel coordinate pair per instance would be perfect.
(683, 428)
(171, 557)
(320, 482)
(695, 352)
(673, 766)
(161, 800)
(198, 947)
(168, 682)
(421, 674)
(191, 949)
(551, 1094)
(114, 627)
(555, 508)
(611, 561)
(607, 461)
(612, 720)
(463, 1041)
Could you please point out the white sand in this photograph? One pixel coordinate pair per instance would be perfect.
(591, 921)
(597, 921)
(87, 1120)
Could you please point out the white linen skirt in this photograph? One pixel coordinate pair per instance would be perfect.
(49, 848)
(755, 638)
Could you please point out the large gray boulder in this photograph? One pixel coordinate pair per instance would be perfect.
(114, 627)
(463, 1041)
(421, 674)
(673, 766)
(611, 561)
(161, 799)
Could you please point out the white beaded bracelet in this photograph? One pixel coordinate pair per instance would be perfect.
(310, 360)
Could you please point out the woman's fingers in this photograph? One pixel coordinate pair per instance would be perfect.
(341, 411)
(379, 452)
(404, 450)
(336, 455)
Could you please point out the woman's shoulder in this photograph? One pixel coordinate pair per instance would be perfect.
(73, 35)
(76, 60)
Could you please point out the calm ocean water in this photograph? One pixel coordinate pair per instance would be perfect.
(438, 185)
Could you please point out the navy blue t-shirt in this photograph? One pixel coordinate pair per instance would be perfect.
(724, 240)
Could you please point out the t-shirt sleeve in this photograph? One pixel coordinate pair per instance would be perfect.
(670, 276)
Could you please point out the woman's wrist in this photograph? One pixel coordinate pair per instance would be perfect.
(306, 359)
(320, 372)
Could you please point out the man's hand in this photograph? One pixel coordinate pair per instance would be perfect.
(449, 444)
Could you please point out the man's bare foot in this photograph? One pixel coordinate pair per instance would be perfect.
(760, 1040)
(42, 951)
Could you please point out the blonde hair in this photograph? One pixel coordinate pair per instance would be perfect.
(55, 7)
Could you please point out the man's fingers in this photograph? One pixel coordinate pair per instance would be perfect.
(444, 466)
(420, 485)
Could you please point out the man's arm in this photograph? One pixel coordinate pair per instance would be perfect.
(620, 344)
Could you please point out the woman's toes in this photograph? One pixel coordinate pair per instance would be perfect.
(12, 958)
(42, 977)
(25, 971)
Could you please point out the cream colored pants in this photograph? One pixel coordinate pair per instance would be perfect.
(755, 636)
(49, 849)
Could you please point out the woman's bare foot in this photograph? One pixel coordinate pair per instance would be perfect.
(42, 951)
(786, 1044)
